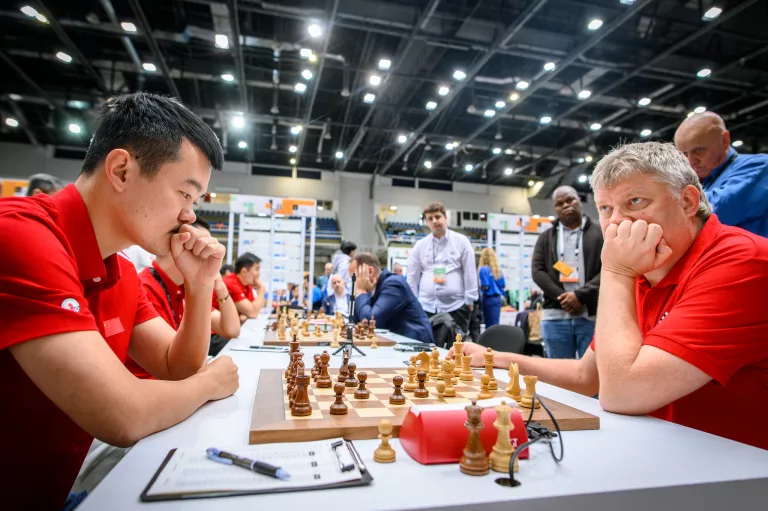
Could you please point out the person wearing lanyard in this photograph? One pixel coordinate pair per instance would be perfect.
(441, 270)
(566, 266)
(735, 184)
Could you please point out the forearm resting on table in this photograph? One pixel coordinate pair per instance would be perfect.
(249, 308)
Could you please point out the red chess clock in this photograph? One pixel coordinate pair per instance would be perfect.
(436, 433)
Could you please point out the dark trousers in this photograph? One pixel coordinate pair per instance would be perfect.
(461, 317)
(217, 344)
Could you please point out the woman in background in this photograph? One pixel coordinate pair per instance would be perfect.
(492, 286)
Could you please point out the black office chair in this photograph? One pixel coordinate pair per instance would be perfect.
(507, 338)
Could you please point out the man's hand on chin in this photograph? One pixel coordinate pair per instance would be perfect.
(635, 248)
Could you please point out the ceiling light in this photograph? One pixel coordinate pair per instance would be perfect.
(545, 120)
(531, 183)
(644, 101)
(221, 41)
(292, 161)
(212, 195)
(393, 208)
(645, 133)
(29, 11)
(582, 178)
(369, 98)
(549, 66)
(293, 149)
(64, 57)
(508, 171)
(514, 96)
(128, 26)
(401, 139)
(305, 53)
(522, 85)
(228, 77)
(736, 143)
(699, 109)
(690, 114)
(509, 151)
(41, 18)
(431, 105)
(385, 64)
(374, 80)
(10, 121)
(580, 160)
(468, 167)
(443, 90)
(296, 129)
(428, 164)
(496, 150)
(703, 73)
(313, 58)
(489, 113)
(148, 66)
(595, 126)
(315, 30)
(75, 128)
(307, 74)
(712, 13)
(535, 216)
(300, 87)
(459, 75)
(500, 104)
(339, 155)
(595, 24)
(450, 146)
(588, 159)
(242, 144)
(77, 104)
(552, 217)
(585, 94)
(14, 97)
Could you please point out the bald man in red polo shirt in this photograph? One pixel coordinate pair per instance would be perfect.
(681, 332)
(72, 307)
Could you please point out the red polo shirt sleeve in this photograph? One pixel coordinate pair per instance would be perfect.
(719, 323)
(38, 296)
(237, 291)
(145, 310)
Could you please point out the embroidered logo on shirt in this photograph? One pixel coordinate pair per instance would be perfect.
(71, 305)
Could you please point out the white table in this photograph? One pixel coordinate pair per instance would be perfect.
(631, 463)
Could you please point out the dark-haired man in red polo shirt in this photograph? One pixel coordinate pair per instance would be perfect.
(245, 287)
(73, 308)
(682, 332)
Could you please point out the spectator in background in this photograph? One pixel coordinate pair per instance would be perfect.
(226, 269)
(326, 282)
(341, 262)
(566, 266)
(339, 300)
(492, 286)
(314, 295)
(397, 269)
(45, 184)
(293, 294)
(244, 285)
(388, 299)
(735, 184)
(441, 270)
(536, 299)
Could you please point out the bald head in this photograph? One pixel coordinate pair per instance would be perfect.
(567, 206)
(705, 141)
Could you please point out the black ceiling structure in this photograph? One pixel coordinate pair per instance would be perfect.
(542, 89)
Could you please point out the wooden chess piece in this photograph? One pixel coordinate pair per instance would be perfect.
(411, 385)
(339, 407)
(323, 379)
(530, 391)
(489, 369)
(318, 333)
(361, 392)
(421, 391)
(502, 450)
(473, 461)
(397, 398)
(485, 393)
(384, 453)
(458, 349)
(434, 364)
(513, 388)
(372, 328)
(316, 368)
(373, 345)
(344, 369)
(351, 380)
(440, 386)
(466, 369)
(301, 405)
(335, 340)
(450, 391)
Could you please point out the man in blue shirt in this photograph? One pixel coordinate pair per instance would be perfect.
(735, 184)
(388, 298)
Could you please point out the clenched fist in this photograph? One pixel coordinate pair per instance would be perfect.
(634, 248)
(197, 256)
(222, 377)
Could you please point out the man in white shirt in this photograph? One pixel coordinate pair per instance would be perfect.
(441, 270)
(339, 300)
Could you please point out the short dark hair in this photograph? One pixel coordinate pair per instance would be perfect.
(245, 261)
(225, 268)
(46, 183)
(369, 259)
(347, 247)
(199, 222)
(152, 127)
(434, 207)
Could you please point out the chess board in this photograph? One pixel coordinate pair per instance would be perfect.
(272, 421)
(325, 339)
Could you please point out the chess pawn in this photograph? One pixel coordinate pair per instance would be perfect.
(335, 341)
(351, 380)
(374, 346)
(513, 388)
(421, 391)
(397, 398)
(316, 368)
(339, 407)
(458, 348)
(485, 393)
(473, 460)
(440, 386)
(434, 364)
(466, 370)
(411, 385)
(450, 391)
(502, 450)
(489, 369)
(323, 379)
(384, 453)
(530, 391)
(361, 392)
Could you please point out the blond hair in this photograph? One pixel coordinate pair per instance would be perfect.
(488, 258)
(662, 161)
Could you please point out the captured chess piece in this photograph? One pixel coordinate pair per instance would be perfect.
(339, 407)
(351, 380)
(323, 379)
(489, 369)
(513, 388)
(421, 391)
(411, 385)
(530, 392)
(397, 398)
(301, 405)
(485, 392)
(502, 450)
(473, 461)
(361, 392)
(440, 386)
(384, 453)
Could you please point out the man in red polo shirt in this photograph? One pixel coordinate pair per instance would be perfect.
(682, 332)
(73, 308)
(241, 286)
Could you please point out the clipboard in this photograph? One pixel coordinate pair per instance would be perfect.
(148, 495)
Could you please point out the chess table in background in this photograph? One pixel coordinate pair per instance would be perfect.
(325, 338)
(271, 419)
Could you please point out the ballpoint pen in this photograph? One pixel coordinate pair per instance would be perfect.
(256, 466)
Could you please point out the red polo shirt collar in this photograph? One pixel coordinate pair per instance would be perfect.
(95, 274)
